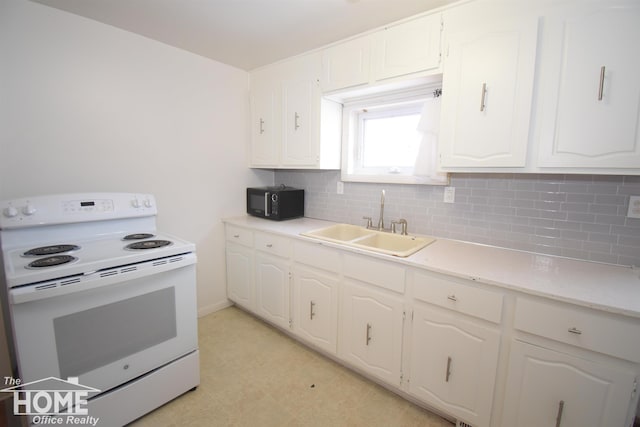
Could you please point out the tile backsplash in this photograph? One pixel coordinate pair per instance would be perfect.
(577, 216)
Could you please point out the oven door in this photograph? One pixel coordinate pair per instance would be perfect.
(109, 330)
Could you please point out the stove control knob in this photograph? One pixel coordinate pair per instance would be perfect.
(10, 212)
(135, 203)
(29, 209)
(148, 203)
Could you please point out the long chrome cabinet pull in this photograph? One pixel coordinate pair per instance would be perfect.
(448, 374)
(297, 117)
(575, 331)
(560, 410)
(484, 94)
(261, 126)
(368, 333)
(452, 298)
(601, 85)
(311, 313)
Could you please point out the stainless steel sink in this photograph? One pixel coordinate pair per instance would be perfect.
(372, 240)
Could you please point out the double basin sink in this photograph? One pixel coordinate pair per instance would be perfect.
(372, 240)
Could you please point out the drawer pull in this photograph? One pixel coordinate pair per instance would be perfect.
(368, 333)
(448, 373)
(575, 331)
(560, 410)
(452, 298)
(237, 236)
(269, 245)
(311, 312)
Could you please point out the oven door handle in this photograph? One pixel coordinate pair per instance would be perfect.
(98, 279)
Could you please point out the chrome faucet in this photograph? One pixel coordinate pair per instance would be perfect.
(381, 220)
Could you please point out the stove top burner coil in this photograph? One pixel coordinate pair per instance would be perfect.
(148, 244)
(51, 250)
(51, 261)
(138, 236)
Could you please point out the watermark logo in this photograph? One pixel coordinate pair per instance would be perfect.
(51, 400)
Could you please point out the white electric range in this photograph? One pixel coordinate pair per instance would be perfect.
(97, 294)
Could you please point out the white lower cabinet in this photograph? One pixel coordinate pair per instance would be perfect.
(371, 330)
(272, 289)
(549, 388)
(453, 363)
(487, 356)
(315, 307)
(240, 275)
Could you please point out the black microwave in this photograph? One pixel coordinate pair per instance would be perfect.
(276, 203)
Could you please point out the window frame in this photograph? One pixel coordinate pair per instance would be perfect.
(353, 116)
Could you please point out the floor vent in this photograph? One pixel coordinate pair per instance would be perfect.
(463, 424)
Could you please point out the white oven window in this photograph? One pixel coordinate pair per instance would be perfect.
(96, 337)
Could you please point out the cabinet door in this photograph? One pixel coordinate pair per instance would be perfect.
(265, 124)
(487, 86)
(272, 289)
(240, 275)
(346, 64)
(547, 388)
(589, 87)
(372, 323)
(301, 118)
(316, 307)
(406, 48)
(453, 364)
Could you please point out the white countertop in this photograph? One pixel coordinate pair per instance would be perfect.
(606, 287)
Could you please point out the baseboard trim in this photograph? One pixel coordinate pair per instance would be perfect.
(203, 311)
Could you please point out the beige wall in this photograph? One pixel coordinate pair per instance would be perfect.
(87, 107)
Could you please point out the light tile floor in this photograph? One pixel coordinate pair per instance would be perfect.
(253, 375)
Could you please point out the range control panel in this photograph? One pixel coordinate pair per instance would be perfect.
(70, 208)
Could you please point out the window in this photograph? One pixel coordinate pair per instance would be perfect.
(391, 138)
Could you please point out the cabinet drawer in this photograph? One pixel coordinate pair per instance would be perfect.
(593, 330)
(317, 256)
(272, 244)
(465, 299)
(239, 235)
(386, 275)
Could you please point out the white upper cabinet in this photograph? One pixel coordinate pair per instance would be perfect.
(406, 48)
(488, 76)
(291, 125)
(589, 95)
(346, 64)
(265, 118)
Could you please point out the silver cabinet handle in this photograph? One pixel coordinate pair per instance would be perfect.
(482, 96)
(261, 126)
(269, 245)
(448, 373)
(452, 298)
(368, 333)
(296, 124)
(560, 410)
(237, 236)
(575, 331)
(601, 85)
(311, 313)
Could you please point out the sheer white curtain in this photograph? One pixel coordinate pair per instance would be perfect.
(429, 126)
